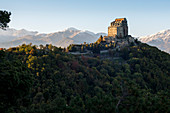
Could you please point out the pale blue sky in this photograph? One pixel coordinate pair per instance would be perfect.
(144, 17)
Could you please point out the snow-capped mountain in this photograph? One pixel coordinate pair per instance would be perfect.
(17, 33)
(11, 34)
(12, 37)
(160, 40)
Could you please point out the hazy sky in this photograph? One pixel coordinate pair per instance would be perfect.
(144, 17)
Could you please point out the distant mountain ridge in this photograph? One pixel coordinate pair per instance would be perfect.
(160, 40)
(12, 37)
(11, 34)
(17, 33)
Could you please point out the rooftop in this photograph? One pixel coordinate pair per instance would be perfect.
(120, 19)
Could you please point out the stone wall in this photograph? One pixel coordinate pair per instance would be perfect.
(112, 31)
(118, 27)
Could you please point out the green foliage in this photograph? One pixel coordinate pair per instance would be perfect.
(4, 19)
(15, 82)
(65, 83)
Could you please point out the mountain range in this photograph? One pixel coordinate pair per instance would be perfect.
(160, 40)
(13, 37)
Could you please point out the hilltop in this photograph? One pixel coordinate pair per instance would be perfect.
(114, 74)
(55, 81)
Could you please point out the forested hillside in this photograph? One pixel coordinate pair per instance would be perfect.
(48, 80)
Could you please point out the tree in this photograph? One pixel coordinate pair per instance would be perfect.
(82, 49)
(50, 47)
(15, 82)
(4, 19)
(100, 39)
(41, 46)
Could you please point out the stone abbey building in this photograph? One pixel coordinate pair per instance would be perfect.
(117, 34)
(117, 38)
(118, 28)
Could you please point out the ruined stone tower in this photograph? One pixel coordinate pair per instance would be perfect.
(118, 28)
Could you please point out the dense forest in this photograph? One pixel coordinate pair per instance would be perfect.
(48, 80)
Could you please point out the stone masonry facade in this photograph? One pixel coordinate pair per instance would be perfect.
(117, 29)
